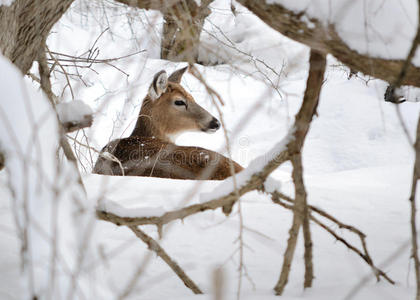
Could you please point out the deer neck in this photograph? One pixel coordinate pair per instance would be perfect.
(145, 126)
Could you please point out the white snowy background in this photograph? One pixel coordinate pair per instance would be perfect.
(357, 159)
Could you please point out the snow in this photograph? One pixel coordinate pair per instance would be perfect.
(271, 185)
(373, 199)
(116, 209)
(74, 112)
(255, 166)
(44, 199)
(6, 2)
(357, 162)
(408, 93)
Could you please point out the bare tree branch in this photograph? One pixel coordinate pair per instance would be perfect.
(317, 63)
(327, 41)
(364, 254)
(155, 247)
(275, 197)
(301, 194)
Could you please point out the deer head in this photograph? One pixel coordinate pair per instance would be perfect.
(169, 110)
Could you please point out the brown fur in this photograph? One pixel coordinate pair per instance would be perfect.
(149, 151)
(145, 156)
(153, 122)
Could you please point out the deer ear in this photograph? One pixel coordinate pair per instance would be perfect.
(159, 85)
(177, 75)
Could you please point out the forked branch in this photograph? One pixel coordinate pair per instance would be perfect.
(317, 63)
(155, 247)
(364, 254)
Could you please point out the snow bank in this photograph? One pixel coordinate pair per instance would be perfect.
(255, 166)
(136, 212)
(53, 219)
(373, 199)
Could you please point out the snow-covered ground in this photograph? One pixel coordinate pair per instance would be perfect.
(357, 162)
(371, 198)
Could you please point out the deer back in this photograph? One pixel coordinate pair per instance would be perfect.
(152, 157)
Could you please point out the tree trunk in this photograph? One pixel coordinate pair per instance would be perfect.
(25, 25)
(181, 30)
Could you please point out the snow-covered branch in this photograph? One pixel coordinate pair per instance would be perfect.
(74, 115)
(324, 37)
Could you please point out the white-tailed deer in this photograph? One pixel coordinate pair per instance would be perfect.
(167, 110)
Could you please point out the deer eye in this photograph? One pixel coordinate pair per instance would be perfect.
(180, 102)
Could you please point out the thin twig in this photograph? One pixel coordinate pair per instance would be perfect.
(64, 72)
(412, 199)
(106, 155)
(44, 74)
(228, 208)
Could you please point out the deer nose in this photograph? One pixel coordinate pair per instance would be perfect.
(214, 124)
